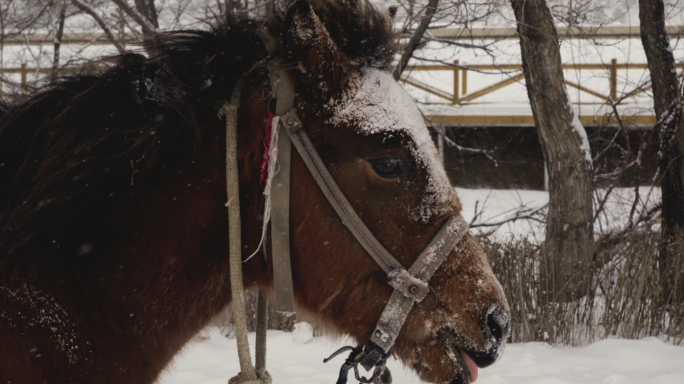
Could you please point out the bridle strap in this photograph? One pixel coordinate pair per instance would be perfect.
(283, 89)
(400, 304)
(280, 205)
(334, 194)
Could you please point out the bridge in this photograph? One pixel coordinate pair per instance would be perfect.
(450, 100)
(484, 105)
(471, 93)
(480, 94)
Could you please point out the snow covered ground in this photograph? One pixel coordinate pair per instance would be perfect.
(647, 361)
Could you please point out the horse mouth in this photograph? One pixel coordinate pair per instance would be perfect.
(467, 359)
(467, 371)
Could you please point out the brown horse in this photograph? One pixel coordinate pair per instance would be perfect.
(114, 246)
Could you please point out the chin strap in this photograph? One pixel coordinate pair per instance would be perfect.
(369, 357)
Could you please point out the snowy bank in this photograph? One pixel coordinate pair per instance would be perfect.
(646, 361)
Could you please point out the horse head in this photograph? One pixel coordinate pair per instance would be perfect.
(113, 250)
(374, 141)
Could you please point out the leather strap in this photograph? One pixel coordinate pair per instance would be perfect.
(280, 205)
(283, 90)
(334, 195)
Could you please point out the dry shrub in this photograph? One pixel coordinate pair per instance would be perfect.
(622, 291)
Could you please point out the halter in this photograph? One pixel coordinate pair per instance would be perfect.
(410, 285)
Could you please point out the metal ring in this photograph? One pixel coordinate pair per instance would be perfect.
(433, 304)
(376, 374)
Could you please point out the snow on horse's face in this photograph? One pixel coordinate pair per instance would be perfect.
(373, 139)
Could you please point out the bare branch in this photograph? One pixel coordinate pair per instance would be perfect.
(484, 72)
(522, 213)
(440, 131)
(415, 39)
(108, 32)
(58, 33)
(147, 27)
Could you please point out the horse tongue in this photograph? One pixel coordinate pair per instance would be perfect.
(470, 366)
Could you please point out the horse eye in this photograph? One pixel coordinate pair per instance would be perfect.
(389, 168)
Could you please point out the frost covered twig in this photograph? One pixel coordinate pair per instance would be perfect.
(521, 213)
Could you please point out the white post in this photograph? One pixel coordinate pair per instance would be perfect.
(440, 146)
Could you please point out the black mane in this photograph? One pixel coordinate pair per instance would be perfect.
(64, 150)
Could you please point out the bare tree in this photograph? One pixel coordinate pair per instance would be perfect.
(148, 28)
(101, 22)
(58, 32)
(148, 10)
(569, 227)
(416, 37)
(667, 100)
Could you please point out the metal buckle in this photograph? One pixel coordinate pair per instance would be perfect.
(383, 336)
(291, 121)
(410, 286)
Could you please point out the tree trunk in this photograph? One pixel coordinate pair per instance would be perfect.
(667, 101)
(569, 228)
(57, 41)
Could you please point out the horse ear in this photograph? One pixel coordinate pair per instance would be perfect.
(306, 41)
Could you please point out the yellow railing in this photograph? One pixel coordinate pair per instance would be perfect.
(449, 34)
(24, 71)
(460, 94)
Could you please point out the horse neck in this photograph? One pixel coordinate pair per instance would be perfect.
(159, 269)
(188, 243)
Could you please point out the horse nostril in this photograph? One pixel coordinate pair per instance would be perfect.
(496, 323)
(494, 327)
